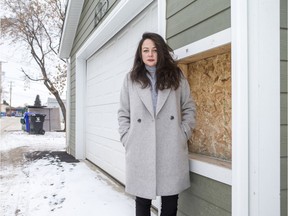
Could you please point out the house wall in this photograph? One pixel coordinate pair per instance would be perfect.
(189, 21)
(205, 197)
(283, 98)
(85, 28)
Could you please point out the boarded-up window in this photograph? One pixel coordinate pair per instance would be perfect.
(210, 81)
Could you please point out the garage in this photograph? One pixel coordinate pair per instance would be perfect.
(103, 84)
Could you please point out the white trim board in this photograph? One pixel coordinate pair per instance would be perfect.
(162, 18)
(72, 17)
(211, 42)
(203, 167)
(256, 107)
(211, 168)
(68, 105)
(240, 103)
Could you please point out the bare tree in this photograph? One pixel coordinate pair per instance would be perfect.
(38, 24)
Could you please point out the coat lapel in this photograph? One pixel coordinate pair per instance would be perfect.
(162, 97)
(146, 98)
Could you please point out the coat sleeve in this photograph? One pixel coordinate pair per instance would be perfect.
(124, 110)
(188, 109)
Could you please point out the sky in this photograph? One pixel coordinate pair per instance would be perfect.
(23, 93)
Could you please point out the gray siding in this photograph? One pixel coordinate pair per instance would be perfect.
(84, 30)
(192, 20)
(189, 21)
(283, 98)
(205, 197)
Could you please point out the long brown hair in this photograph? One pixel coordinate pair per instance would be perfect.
(167, 73)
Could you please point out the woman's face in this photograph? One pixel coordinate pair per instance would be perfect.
(149, 53)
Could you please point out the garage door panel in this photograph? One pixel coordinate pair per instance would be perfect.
(109, 168)
(97, 141)
(105, 100)
(96, 121)
(112, 75)
(95, 88)
(106, 70)
(101, 159)
(106, 155)
(108, 108)
(107, 125)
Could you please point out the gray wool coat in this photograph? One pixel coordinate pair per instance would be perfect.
(156, 143)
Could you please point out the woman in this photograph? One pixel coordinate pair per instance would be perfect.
(155, 117)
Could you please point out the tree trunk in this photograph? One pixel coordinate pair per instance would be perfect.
(51, 88)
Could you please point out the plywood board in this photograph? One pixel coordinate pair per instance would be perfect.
(210, 81)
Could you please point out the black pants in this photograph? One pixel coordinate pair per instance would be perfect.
(168, 207)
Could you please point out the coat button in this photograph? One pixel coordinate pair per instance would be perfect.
(139, 120)
(171, 117)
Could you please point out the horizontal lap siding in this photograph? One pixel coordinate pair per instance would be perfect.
(187, 22)
(205, 197)
(86, 24)
(283, 99)
(195, 20)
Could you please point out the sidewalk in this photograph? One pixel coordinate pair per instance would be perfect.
(39, 178)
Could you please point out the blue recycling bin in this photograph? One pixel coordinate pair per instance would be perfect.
(27, 122)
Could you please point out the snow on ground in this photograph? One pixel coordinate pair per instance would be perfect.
(47, 185)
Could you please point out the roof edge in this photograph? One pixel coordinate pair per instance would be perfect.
(71, 22)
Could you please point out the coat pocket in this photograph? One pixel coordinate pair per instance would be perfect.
(184, 135)
(182, 138)
(186, 130)
(124, 139)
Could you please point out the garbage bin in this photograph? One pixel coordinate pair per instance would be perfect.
(36, 123)
(23, 124)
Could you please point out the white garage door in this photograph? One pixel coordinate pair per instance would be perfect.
(105, 72)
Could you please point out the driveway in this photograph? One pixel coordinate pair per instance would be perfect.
(10, 124)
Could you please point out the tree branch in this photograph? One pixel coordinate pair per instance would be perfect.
(30, 77)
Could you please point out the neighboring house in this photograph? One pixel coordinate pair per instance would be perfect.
(15, 111)
(234, 54)
(3, 109)
(52, 117)
(52, 103)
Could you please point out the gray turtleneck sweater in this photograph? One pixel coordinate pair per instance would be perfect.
(153, 79)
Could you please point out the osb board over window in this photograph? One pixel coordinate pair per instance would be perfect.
(210, 82)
